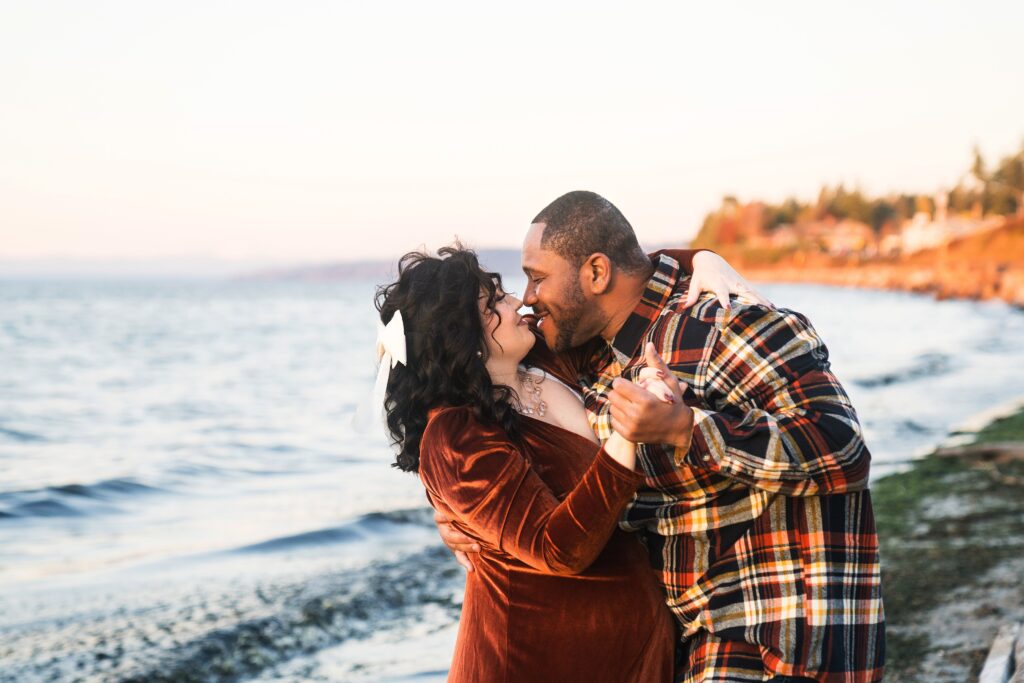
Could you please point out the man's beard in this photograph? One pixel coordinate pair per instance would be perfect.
(569, 318)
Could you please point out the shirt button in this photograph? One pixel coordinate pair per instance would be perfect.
(706, 458)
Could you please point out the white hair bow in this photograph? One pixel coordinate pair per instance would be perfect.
(391, 342)
(391, 350)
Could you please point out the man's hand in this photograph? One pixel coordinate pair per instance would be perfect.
(642, 417)
(459, 543)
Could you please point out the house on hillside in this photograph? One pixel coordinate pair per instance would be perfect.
(890, 239)
(849, 237)
(785, 236)
(921, 232)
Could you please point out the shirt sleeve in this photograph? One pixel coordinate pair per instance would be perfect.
(779, 420)
(495, 496)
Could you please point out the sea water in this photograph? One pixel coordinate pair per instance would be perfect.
(181, 488)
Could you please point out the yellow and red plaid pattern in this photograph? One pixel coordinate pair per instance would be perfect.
(763, 531)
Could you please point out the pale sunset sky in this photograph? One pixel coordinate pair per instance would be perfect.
(280, 132)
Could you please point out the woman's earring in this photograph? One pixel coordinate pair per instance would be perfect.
(479, 354)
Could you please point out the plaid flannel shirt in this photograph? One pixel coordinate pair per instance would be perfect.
(763, 530)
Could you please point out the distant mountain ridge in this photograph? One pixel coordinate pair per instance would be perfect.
(128, 268)
(504, 261)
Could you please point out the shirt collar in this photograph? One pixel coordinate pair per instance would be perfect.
(656, 295)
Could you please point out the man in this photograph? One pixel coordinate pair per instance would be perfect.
(755, 508)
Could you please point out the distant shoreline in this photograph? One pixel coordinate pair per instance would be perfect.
(950, 283)
(987, 265)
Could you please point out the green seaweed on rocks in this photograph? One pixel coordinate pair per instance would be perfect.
(1010, 428)
(944, 525)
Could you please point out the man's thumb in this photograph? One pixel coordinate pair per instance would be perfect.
(654, 359)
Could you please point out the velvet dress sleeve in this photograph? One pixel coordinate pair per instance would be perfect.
(487, 484)
(683, 256)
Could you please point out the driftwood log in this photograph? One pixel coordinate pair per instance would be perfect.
(1005, 662)
(1018, 656)
(998, 451)
(989, 456)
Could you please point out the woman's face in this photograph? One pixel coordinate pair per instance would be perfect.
(506, 333)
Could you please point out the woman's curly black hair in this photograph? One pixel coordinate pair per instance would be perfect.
(439, 300)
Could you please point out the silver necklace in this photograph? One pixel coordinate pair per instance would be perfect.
(531, 387)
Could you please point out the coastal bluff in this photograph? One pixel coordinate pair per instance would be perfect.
(982, 266)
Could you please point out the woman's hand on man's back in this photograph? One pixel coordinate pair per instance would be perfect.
(459, 543)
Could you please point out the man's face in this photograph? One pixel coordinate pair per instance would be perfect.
(554, 293)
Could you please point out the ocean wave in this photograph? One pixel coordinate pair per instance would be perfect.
(20, 436)
(367, 526)
(43, 508)
(195, 469)
(926, 365)
(106, 488)
(280, 448)
(910, 426)
(70, 500)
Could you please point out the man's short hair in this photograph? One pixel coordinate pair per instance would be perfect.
(582, 223)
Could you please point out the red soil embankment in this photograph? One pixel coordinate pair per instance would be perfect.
(986, 265)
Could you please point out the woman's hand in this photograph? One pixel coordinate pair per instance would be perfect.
(459, 543)
(712, 273)
(650, 379)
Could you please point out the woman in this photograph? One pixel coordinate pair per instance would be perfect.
(506, 451)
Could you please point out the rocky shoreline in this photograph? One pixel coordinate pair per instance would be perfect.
(230, 629)
(952, 535)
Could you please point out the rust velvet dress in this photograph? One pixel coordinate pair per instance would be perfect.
(558, 592)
